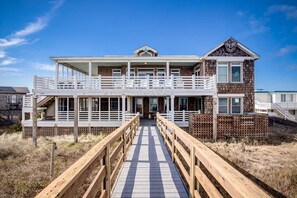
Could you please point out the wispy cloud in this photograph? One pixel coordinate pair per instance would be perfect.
(240, 13)
(12, 42)
(45, 67)
(287, 49)
(40, 23)
(19, 37)
(8, 69)
(9, 61)
(2, 54)
(257, 25)
(288, 10)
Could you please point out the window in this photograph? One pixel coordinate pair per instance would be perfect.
(116, 72)
(290, 98)
(235, 72)
(165, 104)
(236, 105)
(161, 72)
(293, 112)
(222, 72)
(183, 104)
(114, 104)
(153, 104)
(175, 72)
(62, 104)
(223, 105)
(83, 104)
(283, 97)
(132, 72)
(13, 99)
(95, 104)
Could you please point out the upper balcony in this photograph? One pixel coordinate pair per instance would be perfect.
(129, 85)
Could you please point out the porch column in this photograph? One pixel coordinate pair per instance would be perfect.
(56, 109)
(63, 72)
(172, 108)
(89, 109)
(34, 124)
(167, 69)
(129, 69)
(57, 73)
(123, 108)
(75, 128)
(129, 104)
(90, 73)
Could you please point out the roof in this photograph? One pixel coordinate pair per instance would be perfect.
(22, 90)
(262, 91)
(240, 46)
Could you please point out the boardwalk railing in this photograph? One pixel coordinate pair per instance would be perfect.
(200, 166)
(100, 166)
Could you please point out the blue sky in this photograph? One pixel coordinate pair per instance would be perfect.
(31, 31)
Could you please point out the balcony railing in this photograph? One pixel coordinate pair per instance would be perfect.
(125, 82)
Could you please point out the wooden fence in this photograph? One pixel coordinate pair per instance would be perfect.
(201, 168)
(99, 166)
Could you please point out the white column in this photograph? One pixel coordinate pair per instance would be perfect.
(108, 108)
(129, 104)
(75, 127)
(90, 69)
(67, 72)
(123, 108)
(89, 109)
(63, 72)
(129, 69)
(57, 73)
(56, 108)
(172, 108)
(167, 69)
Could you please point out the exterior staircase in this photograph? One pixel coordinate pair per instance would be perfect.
(283, 112)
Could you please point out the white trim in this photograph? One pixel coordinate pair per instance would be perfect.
(229, 58)
(230, 95)
(174, 72)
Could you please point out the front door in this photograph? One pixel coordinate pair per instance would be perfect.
(139, 106)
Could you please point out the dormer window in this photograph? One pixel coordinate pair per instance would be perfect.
(146, 51)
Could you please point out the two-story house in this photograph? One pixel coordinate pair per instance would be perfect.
(97, 93)
(11, 100)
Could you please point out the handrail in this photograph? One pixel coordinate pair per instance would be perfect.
(112, 148)
(193, 158)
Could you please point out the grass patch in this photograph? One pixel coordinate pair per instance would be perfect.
(25, 170)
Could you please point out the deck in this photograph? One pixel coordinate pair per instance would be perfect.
(149, 170)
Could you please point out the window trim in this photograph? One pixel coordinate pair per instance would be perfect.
(228, 106)
(241, 71)
(241, 105)
(13, 99)
(115, 71)
(217, 71)
(150, 104)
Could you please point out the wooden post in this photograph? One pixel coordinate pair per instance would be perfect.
(34, 125)
(192, 172)
(215, 118)
(75, 128)
(52, 160)
(107, 177)
(173, 144)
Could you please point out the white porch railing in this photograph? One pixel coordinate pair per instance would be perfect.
(179, 116)
(124, 82)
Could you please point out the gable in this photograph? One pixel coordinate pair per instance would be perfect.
(233, 48)
(146, 51)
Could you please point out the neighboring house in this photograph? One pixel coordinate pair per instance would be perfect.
(107, 90)
(11, 101)
(277, 103)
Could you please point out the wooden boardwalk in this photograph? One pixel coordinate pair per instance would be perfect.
(148, 170)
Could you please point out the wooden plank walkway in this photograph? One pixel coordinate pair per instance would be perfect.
(148, 170)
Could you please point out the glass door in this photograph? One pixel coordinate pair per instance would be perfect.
(139, 106)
